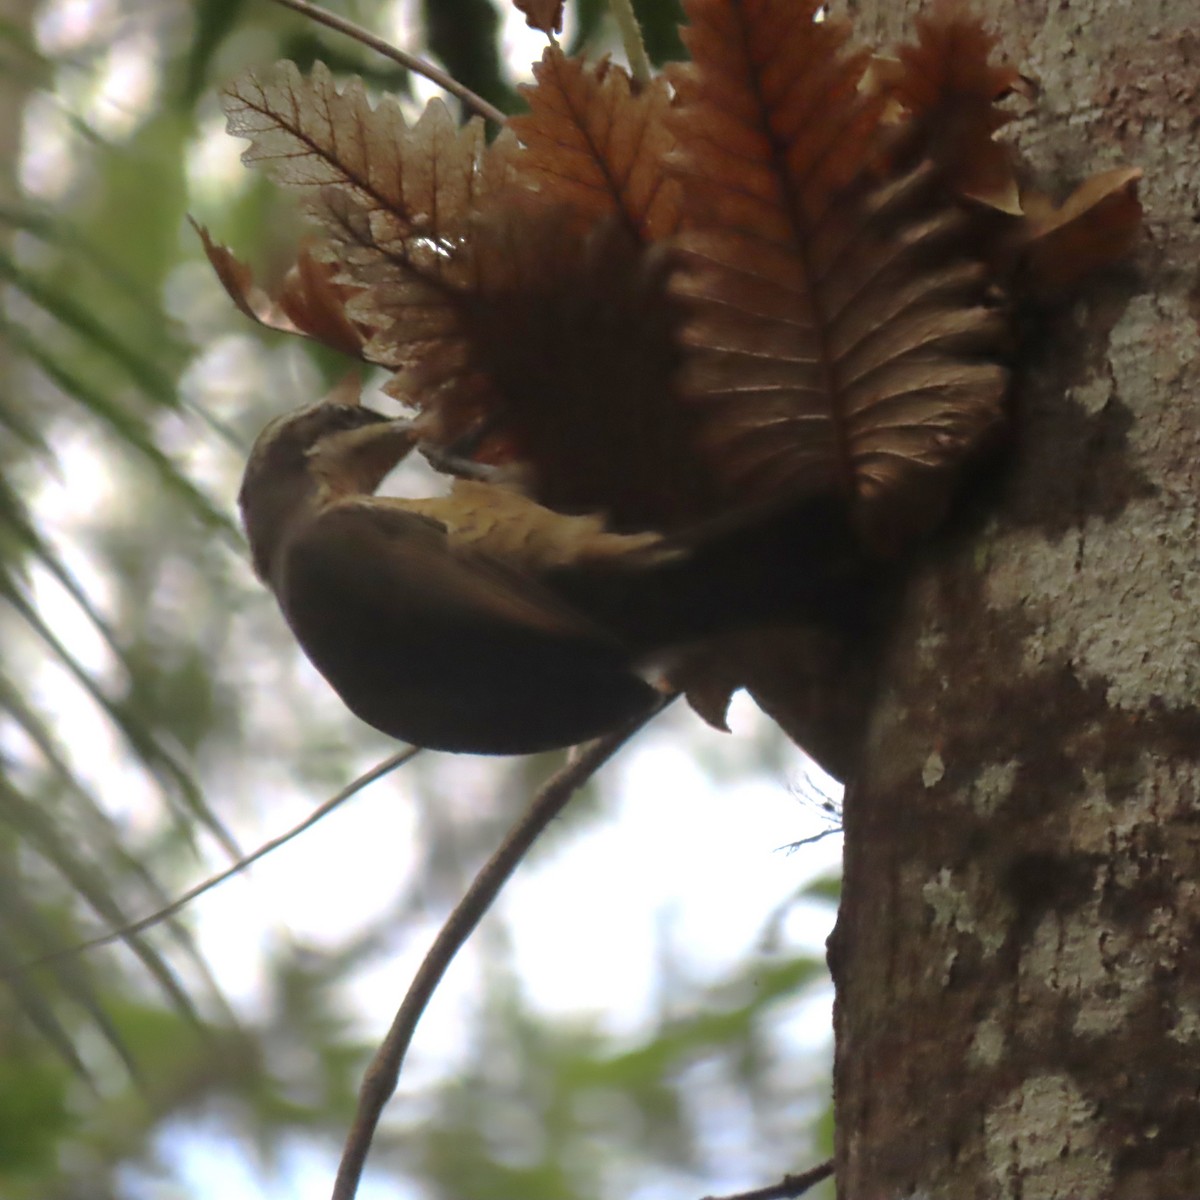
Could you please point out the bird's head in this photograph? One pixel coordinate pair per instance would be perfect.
(306, 458)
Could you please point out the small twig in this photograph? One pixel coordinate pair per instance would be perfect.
(126, 931)
(631, 36)
(811, 840)
(788, 1187)
(418, 65)
(383, 1073)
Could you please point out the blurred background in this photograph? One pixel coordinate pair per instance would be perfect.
(646, 1014)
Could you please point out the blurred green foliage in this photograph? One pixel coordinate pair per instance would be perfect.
(126, 614)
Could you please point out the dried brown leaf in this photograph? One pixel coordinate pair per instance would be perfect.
(562, 343)
(815, 685)
(238, 281)
(947, 89)
(592, 143)
(1095, 226)
(417, 183)
(708, 677)
(546, 15)
(309, 302)
(751, 304)
(397, 200)
(839, 334)
(410, 288)
(315, 300)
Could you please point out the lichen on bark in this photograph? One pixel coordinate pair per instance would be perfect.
(1017, 1006)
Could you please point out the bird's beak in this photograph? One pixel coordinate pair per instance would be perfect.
(357, 460)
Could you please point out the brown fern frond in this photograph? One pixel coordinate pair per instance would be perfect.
(406, 286)
(839, 332)
(591, 142)
(396, 200)
(419, 182)
(948, 90)
(557, 343)
(542, 323)
(836, 247)
(560, 343)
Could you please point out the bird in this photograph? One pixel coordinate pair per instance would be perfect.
(481, 621)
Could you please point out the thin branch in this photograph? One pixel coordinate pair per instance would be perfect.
(126, 931)
(418, 65)
(788, 1187)
(811, 840)
(383, 1073)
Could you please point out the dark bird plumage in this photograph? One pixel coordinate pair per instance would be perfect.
(442, 646)
(482, 621)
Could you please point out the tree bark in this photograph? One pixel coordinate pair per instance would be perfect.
(1018, 983)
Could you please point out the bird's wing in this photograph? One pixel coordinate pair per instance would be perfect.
(509, 527)
(376, 546)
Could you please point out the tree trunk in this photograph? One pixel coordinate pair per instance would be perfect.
(1018, 981)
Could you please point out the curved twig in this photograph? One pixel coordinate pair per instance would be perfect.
(383, 1073)
(418, 65)
(125, 931)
